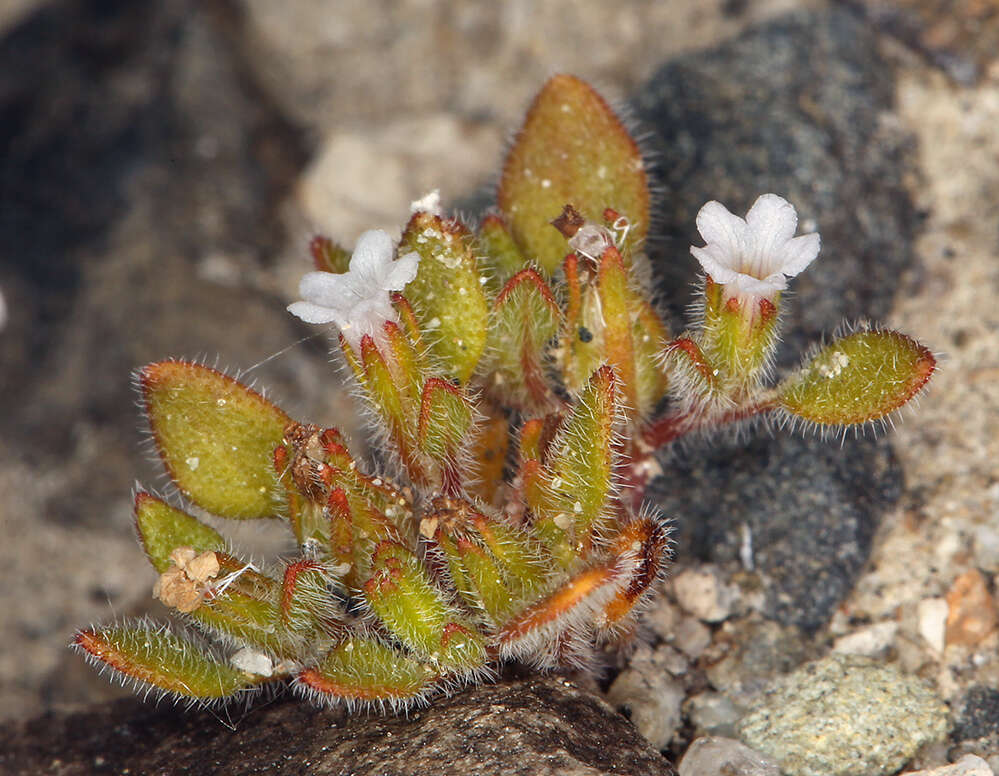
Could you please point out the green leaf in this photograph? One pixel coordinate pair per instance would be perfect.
(858, 378)
(389, 398)
(446, 418)
(162, 529)
(494, 566)
(476, 576)
(415, 612)
(500, 254)
(362, 671)
(525, 317)
(569, 610)
(647, 538)
(152, 655)
(571, 149)
(215, 436)
(447, 294)
(308, 605)
(244, 606)
(650, 336)
(616, 303)
(581, 343)
(582, 462)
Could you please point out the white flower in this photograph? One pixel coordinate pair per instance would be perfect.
(357, 301)
(753, 256)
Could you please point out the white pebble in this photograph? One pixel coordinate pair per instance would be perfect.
(872, 641)
(969, 765)
(701, 592)
(931, 614)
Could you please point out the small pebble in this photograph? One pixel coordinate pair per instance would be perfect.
(703, 593)
(662, 618)
(979, 715)
(971, 610)
(724, 757)
(969, 765)
(651, 699)
(691, 637)
(872, 641)
(713, 713)
(748, 654)
(931, 615)
(673, 660)
(986, 549)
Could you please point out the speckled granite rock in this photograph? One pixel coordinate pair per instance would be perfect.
(979, 714)
(546, 726)
(792, 107)
(844, 715)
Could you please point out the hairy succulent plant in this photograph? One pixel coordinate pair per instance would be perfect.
(519, 380)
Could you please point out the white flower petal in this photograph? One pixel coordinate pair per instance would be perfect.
(773, 218)
(754, 256)
(747, 284)
(401, 271)
(797, 253)
(327, 288)
(313, 313)
(713, 264)
(371, 253)
(371, 313)
(720, 227)
(358, 301)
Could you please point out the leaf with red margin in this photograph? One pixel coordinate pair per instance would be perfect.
(858, 378)
(571, 149)
(524, 318)
(215, 436)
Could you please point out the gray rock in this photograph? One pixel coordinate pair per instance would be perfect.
(978, 721)
(539, 727)
(844, 715)
(724, 757)
(712, 714)
(795, 107)
(969, 765)
(156, 155)
(986, 548)
(662, 617)
(691, 637)
(980, 715)
(750, 653)
(651, 699)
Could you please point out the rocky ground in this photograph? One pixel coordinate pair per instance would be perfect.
(164, 165)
